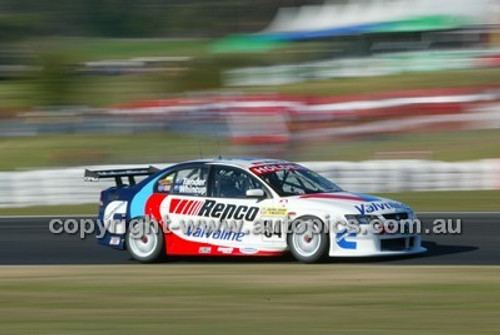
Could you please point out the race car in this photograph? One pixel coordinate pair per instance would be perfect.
(246, 207)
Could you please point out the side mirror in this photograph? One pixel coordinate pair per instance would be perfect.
(255, 193)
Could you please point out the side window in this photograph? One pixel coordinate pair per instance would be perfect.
(232, 183)
(189, 181)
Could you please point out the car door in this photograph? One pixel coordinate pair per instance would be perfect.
(186, 190)
(241, 230)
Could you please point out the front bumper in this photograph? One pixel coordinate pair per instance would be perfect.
(367, 244)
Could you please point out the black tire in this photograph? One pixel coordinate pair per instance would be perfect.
(145, 241)
(298, 244)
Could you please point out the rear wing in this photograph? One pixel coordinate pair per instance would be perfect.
(119, 174)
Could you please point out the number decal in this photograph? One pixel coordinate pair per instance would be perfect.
(272, 228)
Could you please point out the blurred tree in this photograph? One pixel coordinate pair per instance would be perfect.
(145, 18)
(13, 28)
(55, 82)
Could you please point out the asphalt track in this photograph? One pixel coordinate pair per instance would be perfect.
(28, 241)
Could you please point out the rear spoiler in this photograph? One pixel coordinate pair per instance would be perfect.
(119, 174)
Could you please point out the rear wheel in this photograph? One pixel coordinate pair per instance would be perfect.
(145, 241)
(308, 240)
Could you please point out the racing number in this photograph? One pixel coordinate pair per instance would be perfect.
(272, 228)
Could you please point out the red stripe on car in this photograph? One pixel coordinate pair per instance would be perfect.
(173, 205)
(188, 207)
(181, 207)
(331, 196)
(195, 208)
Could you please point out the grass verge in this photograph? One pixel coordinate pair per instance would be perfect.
(249, 299)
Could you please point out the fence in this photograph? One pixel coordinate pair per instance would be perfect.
(66, 185)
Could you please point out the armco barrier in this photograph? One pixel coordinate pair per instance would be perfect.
(66, 185)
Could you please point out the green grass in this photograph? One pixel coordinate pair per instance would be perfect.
(454, 201)
(250, 299)
(109, 90)
(94, 49)
(444, 146)
(94, 91)
(102, 90)
(106, 90)
(15, 94)
(66, 150)
(53, 210)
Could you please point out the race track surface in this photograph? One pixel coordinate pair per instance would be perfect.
(28, 241)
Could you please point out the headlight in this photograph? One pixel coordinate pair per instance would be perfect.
(361, 219)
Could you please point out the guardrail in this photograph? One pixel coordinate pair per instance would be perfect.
(66, 185)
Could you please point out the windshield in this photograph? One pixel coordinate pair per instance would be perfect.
(293, 179)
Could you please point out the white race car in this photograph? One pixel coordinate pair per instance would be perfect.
(246, 206)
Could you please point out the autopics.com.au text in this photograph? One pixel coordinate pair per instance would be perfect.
(138, 227)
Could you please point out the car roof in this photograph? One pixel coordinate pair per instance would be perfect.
(242, 162)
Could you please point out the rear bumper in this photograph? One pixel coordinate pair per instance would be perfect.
(116, 241)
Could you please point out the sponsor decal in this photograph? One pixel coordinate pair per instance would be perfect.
(219, 210)
(115, 240)
(165, 185)
(380, 206)
(273, 211)
(225, 250)
(213, 209)
(185, 206)
(215, 234)
(271, 168)
(341, 236)
(114, 215)
(205, 250)
(191, 186)
(248, 251)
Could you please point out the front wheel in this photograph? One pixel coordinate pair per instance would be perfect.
(145, 241)
(308, 240)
